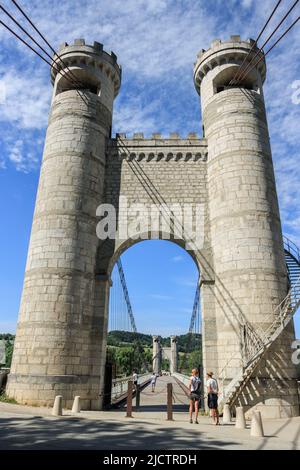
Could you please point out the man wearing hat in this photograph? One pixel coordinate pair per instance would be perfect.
(212, 396)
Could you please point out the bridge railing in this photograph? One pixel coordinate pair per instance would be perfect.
(183, 378)
(119, 386)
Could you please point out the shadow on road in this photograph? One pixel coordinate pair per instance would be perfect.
(77, 434)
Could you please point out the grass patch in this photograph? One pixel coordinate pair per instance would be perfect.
(5, 399)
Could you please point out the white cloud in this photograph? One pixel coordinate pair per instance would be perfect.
(247, 3)
(156, 42)
(132, 116)
(16, 153)
(149, 36)
(27, 99)
(177, 258)
(24, 160)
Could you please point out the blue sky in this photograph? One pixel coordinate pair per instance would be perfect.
(156, 42)
(161, 279)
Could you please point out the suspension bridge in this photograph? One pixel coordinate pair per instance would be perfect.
(121, 317)
(65, 296)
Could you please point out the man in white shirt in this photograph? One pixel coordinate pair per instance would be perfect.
(153, 381)
(212, 396)
(135, 378)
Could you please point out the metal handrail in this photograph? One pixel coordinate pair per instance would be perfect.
(291, 247)
(291, 301)
(288, 306)
(119, 386)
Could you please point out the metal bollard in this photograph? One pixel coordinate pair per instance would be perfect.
(129, 400)
(169, 402)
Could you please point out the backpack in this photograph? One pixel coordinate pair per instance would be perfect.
(198, 385)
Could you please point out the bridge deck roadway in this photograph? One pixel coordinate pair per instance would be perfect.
(156, 402)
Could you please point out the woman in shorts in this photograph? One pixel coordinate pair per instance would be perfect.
(195, 389)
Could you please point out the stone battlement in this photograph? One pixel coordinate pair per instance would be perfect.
(96, 48)
(248, 43)
(85, 56)
(232, 52)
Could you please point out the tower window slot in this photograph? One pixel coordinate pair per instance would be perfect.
(222, 81)
(246, 86)
(79, 80)
(84, 87)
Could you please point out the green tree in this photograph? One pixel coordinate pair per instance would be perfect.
(194, 359)
(145, 360)
(9, 347)
(7, 336)
(125, 360)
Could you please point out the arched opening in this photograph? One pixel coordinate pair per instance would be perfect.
(162, 279)
(78, 79)
(232, 77)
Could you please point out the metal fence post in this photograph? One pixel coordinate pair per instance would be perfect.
(170, 402)
(129, 400)
(138, 397)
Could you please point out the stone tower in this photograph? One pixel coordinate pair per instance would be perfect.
(174, 355)
(58, 348)
(250, 276)
(156, 351)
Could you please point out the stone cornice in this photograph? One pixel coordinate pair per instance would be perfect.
(157, 148)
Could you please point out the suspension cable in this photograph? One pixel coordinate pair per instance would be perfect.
(240, 69)
(41, 35)
(275, 44)
(77, 83)
(28, 45)
(246, 72)
(63, 74)
(49, 45)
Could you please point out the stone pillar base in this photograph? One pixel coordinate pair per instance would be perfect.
(274, 398)
(40, 390)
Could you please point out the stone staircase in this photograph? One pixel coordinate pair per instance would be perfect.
(283, 315)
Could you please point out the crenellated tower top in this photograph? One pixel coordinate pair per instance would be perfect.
(87, 67)
(228, 56)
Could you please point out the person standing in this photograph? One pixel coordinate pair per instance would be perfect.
(212, 397)
(195, 395)
(135, 378)
(153, 381)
